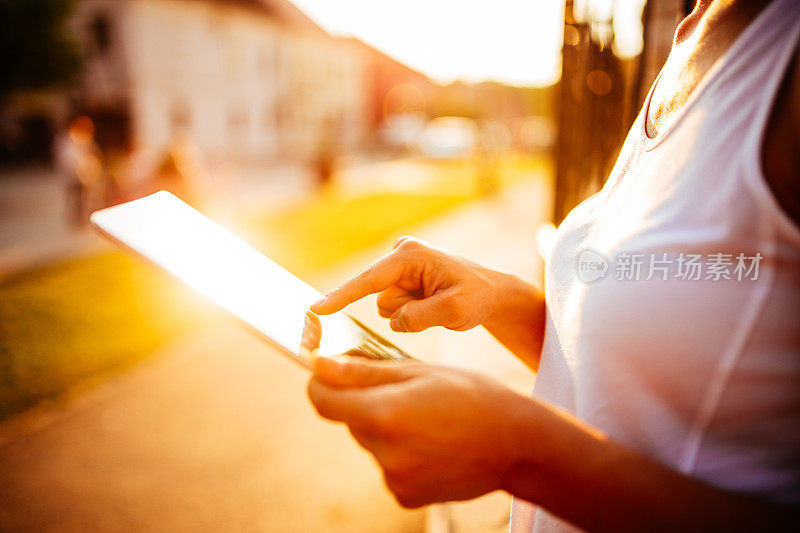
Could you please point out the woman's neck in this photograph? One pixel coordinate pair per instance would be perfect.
(700, 40)
(724, 19)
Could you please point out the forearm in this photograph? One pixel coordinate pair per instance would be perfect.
(519, 317)
(576, 473)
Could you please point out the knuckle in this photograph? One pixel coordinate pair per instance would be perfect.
(407, 316)
(364, 277)
(411, 319)
(452, 307)
(393, 470)
(393, 481)
(407, 497)
(312, 389)
(355, 372)
(406, 240)
(456, 313)
(385, 419)
(400, 476)
(363, 273)
(386, 301)
(383, 299)
(402, 491)
(410, 244)
(314, 395)
(399, 242)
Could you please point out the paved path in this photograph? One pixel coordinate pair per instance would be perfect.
(35, 226)
(215, 432)
(34, 221)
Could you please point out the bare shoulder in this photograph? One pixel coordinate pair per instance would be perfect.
(781, 149)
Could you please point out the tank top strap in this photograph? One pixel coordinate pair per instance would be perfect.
(752, 57)
(742, 93)
(773, 54)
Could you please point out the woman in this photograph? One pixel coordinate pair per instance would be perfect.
(668, 394)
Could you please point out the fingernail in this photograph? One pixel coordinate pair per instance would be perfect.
(320, 301)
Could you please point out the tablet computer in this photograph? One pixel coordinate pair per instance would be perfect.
(225, 269)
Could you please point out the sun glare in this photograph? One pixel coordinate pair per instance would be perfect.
(234, 275)
(511, 41)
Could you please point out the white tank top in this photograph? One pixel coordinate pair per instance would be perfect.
(673, 294)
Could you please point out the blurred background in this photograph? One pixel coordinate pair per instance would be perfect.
(320, 131)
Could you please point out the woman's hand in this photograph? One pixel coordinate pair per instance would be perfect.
(442, 434)
(439, 434)
(420, 287)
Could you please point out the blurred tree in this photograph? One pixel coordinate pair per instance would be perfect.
(601, 93)
(36, 49)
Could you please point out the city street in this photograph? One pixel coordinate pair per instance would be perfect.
(35, 224)
(215, 432)
(168, 166)
(34, 220)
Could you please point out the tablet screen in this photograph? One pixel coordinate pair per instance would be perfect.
(236, 276)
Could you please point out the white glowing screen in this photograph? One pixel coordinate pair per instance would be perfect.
(233, 274)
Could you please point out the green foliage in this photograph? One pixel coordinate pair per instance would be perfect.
(321, 232)
(62, 324)
(36, 48)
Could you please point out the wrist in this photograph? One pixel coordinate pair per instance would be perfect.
(510, 295)
(516, 316)
(523, 445)
(559, 462)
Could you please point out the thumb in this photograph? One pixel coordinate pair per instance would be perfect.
(419, 315)
(352, 371)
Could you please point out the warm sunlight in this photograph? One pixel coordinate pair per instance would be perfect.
(512, 41)
(236, 276)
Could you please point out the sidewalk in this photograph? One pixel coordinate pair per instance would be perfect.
(34, 228)
(215, 433)
(34, 219)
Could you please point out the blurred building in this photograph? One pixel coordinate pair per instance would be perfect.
(241, 79)
(392, 87)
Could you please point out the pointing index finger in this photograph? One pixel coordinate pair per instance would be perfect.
(378, 276)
